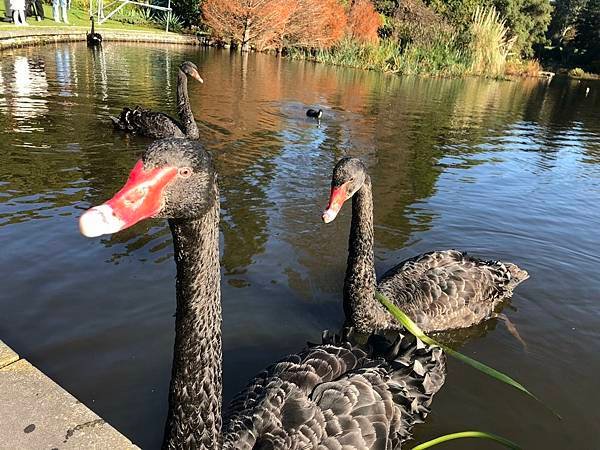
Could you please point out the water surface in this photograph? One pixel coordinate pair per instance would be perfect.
(505, 170)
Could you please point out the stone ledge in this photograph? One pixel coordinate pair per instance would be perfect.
(7, 355)
(37, 413)
(22, 37)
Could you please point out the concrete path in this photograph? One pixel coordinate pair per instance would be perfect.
(36, 413)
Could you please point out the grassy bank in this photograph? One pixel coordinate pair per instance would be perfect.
(77, 18)
(483, 48)
(388, 56)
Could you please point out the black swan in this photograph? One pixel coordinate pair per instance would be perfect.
(158, 125)
(438, 290)
(314, 113)
(328, 396)
(93, 39)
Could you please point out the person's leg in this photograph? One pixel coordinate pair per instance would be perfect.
(55, 12)
(63, 4)
(40, 9)
(22, 15)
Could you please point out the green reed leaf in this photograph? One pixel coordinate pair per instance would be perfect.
(468, 434)
(417, 332)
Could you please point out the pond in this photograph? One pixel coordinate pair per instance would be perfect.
(504, 170)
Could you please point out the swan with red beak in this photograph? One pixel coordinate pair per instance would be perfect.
(350, 175)
(162, 177)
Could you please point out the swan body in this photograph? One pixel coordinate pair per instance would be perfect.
(316, 114)
(329, 396)
(153, 124)
(439, 290)
(158, 125)
(93, 39)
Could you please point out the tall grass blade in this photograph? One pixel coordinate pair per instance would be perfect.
(468, 434)
(417, 332)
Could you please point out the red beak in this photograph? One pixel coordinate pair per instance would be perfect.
(338, 196)
(140, 198)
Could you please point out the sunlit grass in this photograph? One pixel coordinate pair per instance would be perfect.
(489, 44)
(77, 18)
(438, 59)
(468, 434)
(417, 332)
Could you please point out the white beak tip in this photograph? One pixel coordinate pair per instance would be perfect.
(329, 215)
(98, 221)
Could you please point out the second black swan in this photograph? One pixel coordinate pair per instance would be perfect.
(93, 39)
(159, 125)
(439, 290)
(329, 396)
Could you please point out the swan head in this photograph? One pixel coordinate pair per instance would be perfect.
(175, 179)
(349, 175)
(189, 68)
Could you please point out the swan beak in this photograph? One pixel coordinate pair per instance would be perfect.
(197, 76)
(140, 198)
(99, 220)
(336, 200)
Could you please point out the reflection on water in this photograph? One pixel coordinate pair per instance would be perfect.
(503, 170)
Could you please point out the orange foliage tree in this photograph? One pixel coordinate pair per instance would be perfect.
(266, 24)
(363, 21)
(247, 22)
(315, 23)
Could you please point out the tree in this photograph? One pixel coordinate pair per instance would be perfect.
(587, 39)
(257, 22)
(267, 24)
(187, 10)
(528, 21)
(457, 12)
(564, 16)
(363, 21)
(315, 23)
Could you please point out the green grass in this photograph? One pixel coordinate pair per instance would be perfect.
(412, 328)
(490, 44)
(77, 18)
(438, 59)
(468, 434)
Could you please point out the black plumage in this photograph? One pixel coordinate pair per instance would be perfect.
(314, 113)
(438, 290)
(93, 39)
(334, 395)
(159, 125)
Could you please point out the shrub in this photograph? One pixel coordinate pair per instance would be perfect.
(363, 22)
(173, 20)
(133, 15)
(490, 44)
(523, 68)
(577, 72)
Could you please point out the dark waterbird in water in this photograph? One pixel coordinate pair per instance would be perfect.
(439, 290)
(159, 125)
(329, 396)
(315, 114)
(93, 39)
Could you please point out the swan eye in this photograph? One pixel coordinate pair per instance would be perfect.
(185, 172)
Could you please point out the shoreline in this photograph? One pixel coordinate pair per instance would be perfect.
(38, 413)
(30, 36)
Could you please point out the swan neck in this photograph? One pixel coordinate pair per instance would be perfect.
(359, 284)
(184, 109)
(195, 394)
